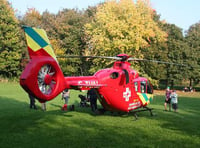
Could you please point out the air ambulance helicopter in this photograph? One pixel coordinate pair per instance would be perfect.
(119, 88)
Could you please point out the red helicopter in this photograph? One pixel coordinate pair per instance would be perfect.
(118, 88)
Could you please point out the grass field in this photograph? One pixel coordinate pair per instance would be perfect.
(22, 127)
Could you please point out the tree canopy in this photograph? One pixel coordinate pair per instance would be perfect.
(192, 53)
(123, 26)
(10, 44)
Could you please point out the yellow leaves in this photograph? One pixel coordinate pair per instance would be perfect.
(57, 49)
(124, 25)
(7, 10)
(32, 18)
(32, 12)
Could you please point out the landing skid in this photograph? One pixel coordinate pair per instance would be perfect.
(102, 111)
(141, 110)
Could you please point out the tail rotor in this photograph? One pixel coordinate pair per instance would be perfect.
(46, 79)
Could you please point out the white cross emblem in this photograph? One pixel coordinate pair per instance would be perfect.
(127, 94)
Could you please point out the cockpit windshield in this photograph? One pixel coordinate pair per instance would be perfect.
(145, 87)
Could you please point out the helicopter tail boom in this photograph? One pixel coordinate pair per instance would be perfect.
(42, 76)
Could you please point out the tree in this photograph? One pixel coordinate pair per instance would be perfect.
(172, 51)
(72, 40)
(122, 26)
(175, 48)
(10, 44)
(156, 52)
(193, 52)
(32, 18)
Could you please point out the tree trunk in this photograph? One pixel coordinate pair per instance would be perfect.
(190, 82)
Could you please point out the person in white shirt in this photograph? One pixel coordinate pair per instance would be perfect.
(174, 100)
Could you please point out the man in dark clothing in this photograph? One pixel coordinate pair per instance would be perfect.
(93, 99)
(32, 102)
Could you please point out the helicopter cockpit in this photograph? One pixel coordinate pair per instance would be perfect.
(143, 86)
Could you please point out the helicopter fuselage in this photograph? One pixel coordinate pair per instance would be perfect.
(119, 88)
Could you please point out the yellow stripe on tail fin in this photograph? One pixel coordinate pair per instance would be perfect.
(38, 42)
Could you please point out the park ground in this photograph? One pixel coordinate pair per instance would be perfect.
(22, 127)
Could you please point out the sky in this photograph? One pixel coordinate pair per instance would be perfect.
(182, 13)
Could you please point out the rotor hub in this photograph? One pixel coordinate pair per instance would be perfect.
(47, 79)
(123, 57)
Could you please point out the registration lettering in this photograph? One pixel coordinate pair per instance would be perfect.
(88, 82)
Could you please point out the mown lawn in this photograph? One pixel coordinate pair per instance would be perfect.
(22, 127)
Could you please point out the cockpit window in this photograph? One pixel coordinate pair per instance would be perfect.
(114, 75)
(136, 86)
(143, 86)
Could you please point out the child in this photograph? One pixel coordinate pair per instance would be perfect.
(83, 102)
(65, 95)
(174, 100)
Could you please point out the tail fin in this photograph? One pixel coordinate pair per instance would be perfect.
(42, 76)
(38, 43)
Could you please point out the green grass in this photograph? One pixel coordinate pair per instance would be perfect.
(22, 127)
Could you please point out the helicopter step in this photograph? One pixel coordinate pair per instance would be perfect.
(141, 110)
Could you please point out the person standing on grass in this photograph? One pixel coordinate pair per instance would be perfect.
(65, 96)
(167, 99)
(32, 102)
(174, 100)
(43, 106)
(93, 99)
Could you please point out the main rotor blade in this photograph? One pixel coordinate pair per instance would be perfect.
(156, 61)
(103, 57)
